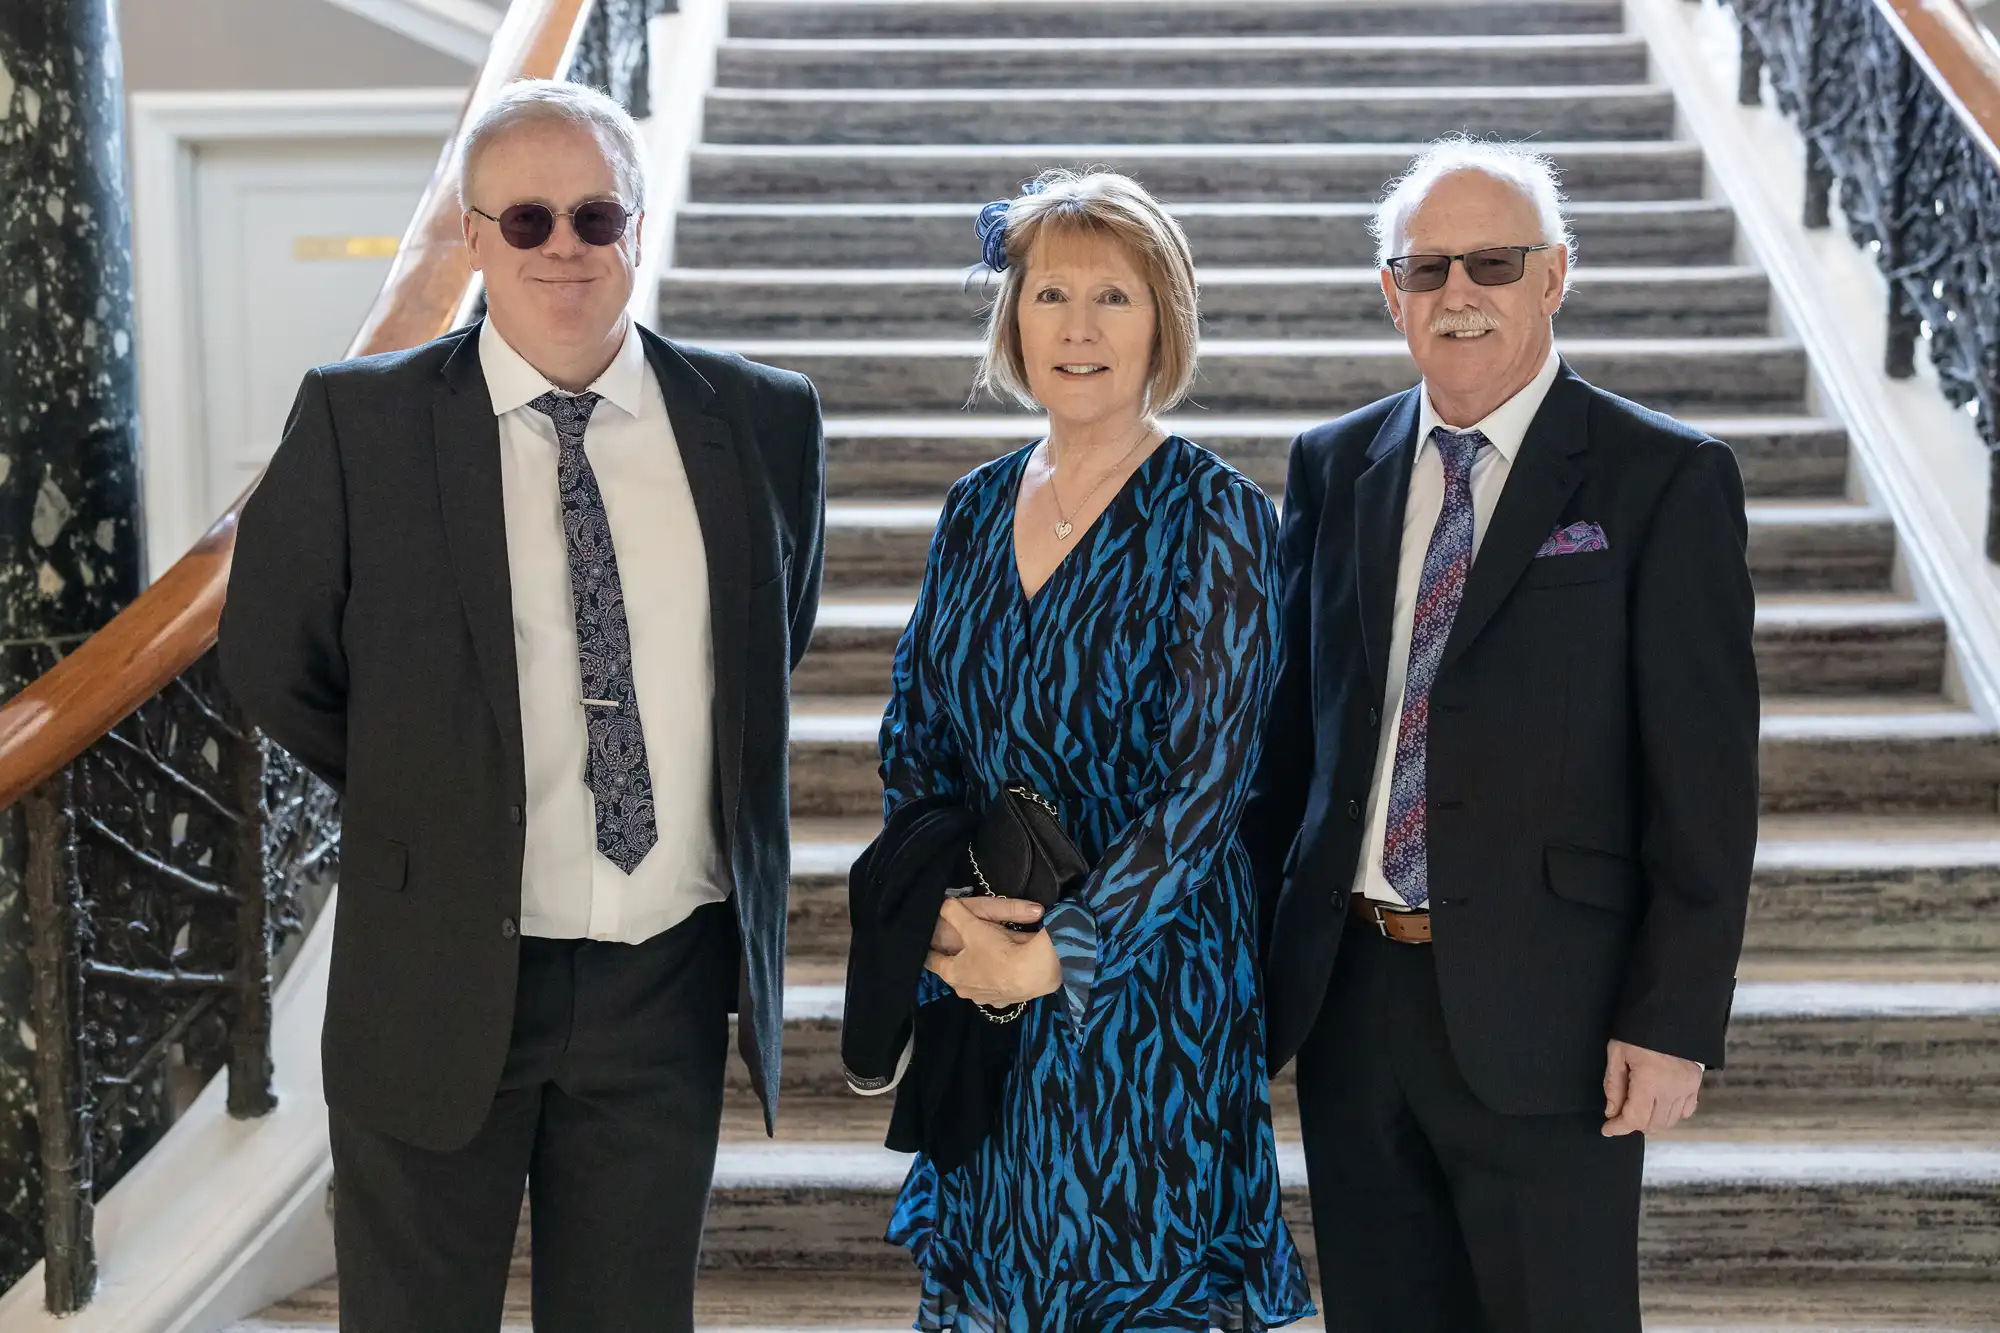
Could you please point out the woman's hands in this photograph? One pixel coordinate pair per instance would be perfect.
(975, 954)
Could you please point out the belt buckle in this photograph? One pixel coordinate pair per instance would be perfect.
(1381, 918)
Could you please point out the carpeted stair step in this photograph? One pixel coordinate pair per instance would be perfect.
(1795, 546)
(1908, 1044)
(1000, 19)
(829, 235)
(842, 1117)
(1051, 113)
(780, 1301)
(1871, 887)
(1191, 63)
(1723, 1211)
(910, 458)
(1312, 377)
(702, 305)
(1806, 644)
(1873, 755)
(1832, 895)
(976, 173)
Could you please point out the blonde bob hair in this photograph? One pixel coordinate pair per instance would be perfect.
(1106, 204)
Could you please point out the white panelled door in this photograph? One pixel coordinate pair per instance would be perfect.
(263, 226)
(292, 243)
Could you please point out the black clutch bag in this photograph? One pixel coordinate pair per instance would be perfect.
(1020, 851)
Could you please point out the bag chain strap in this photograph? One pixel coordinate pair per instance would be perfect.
(1013, 1011)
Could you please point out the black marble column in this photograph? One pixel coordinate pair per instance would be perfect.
(70, 533)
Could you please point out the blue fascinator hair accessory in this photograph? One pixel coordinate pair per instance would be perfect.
(993, 226)
(993, 234)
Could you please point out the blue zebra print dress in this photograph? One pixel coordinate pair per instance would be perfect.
(1131, 1181)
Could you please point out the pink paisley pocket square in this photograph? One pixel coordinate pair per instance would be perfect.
(1576, 539)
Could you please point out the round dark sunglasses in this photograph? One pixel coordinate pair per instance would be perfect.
(1494, 267)
(529, 226)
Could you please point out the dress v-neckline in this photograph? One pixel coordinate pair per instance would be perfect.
(1082, 538)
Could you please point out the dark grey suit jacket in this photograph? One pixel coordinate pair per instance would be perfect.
(1593, 744)
(369, 631)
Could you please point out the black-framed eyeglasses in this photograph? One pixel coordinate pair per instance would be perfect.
(1495, 266)
(529, 226)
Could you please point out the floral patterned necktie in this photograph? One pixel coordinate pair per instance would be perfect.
(615, 767)
(1406, 840)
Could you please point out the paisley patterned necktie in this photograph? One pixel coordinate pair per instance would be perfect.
(615, 767)
(1406, 842)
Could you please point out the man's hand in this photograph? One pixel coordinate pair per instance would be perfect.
(1646, 1092)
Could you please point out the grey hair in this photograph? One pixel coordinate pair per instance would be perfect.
(539, 101)
(1533, 175)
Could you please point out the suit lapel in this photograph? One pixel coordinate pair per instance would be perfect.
(1380, 495)
(467, 440)
(1544, 475)
(709, 456)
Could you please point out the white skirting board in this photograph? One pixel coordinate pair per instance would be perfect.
(224, 1216)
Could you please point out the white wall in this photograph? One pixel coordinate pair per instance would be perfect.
(203, 45)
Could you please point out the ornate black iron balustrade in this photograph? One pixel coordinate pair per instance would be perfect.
(1917, 186)
(167, 867)
(614, 54)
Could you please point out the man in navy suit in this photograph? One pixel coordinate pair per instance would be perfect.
(1508, 803)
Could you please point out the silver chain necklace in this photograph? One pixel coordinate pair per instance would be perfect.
(1064, 527)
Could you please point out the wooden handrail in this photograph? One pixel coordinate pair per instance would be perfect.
(1953, 51)
(170, 625)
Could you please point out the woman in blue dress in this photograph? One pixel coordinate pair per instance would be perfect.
(1097, 622)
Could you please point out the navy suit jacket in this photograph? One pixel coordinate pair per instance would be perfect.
(1592, 800)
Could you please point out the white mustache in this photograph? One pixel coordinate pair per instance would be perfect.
(1462, 321)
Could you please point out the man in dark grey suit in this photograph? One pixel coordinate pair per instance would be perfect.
(530, 597)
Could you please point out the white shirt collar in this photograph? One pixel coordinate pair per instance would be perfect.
(1506, 426)
(513, 383)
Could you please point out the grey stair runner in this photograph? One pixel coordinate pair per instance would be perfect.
(739, 304)
(1306, 63)
(1845, 1169)
(830, 235)
(918, 457)
(1831, 893)
(1792, 1044)
(1182, 115)
(922, 173)
(1320, 376)
(1819, 754)
(866, 19)
(1837, 644)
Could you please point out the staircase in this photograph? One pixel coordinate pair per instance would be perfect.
(1844, 1171)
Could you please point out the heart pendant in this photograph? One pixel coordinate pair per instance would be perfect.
(1063, 530)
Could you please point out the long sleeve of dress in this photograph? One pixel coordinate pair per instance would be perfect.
(920, 757)
(1222, 661)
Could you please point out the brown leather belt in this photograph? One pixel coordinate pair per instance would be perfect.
(1396, 923)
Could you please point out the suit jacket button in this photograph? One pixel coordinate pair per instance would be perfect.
(513, 814)
(1354, 809)
(1374, 718)
(508, 930)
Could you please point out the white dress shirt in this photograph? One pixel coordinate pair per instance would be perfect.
(1504, 428)
(568, 889)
